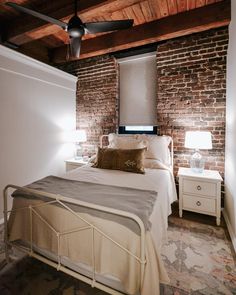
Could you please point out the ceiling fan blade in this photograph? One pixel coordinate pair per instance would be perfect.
(75, 44)
(38, 15)
(99, 27)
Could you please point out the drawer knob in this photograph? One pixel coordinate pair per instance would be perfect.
(199, 187)
(198, 203)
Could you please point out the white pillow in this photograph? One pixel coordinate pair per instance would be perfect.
(155, 164)
(157, 147)
(125, 142)
(92, 159)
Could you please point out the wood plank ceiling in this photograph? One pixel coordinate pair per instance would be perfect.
(154, 20)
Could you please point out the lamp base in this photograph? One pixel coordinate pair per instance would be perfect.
(78, 152)
(197, 162)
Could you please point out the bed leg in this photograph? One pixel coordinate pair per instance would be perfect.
(7, 257)
(5, 226)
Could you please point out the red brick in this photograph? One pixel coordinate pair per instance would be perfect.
(200, 105)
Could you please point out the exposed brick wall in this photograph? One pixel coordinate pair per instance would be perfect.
(191, 79)
(97, 97)
(191, 93)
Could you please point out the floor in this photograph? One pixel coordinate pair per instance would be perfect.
(198, 256)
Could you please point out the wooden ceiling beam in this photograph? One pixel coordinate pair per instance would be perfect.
(35, 50)
(193, 21)
(28, 28)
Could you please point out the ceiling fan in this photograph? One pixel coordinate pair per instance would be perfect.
(75, 27)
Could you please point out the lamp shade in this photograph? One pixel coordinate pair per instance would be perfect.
(80, 136)
(198, 140)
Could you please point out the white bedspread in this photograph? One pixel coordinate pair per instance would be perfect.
(110, 260)
(158, 180)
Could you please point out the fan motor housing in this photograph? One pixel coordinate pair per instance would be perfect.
(75, 27)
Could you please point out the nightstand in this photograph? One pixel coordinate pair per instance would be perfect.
(200, 192)
(74, 163)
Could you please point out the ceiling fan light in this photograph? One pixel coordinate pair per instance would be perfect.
(75, 32)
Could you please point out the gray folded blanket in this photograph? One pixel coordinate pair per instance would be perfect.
(138, 202)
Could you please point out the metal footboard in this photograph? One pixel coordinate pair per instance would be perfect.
(59, 199)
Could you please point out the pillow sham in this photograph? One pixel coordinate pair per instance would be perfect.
(92, 159)
(117, 141)
(129, 160)
(157, 147)
(155, 164)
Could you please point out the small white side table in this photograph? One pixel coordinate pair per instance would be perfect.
(200, 192)
(74, 163)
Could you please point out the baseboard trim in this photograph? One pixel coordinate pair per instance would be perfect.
(230, 229)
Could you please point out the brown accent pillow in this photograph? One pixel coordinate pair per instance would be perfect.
(120, 159)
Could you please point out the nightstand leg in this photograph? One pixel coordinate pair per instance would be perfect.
(180, 213)
(218, 204)
(180, 197)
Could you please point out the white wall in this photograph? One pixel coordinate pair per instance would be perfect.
(37, 108)
(230, 152)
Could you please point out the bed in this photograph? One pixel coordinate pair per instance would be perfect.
(109, 247)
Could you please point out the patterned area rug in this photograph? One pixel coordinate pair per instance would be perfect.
(198, 257)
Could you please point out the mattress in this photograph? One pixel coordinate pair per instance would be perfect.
(110, 261)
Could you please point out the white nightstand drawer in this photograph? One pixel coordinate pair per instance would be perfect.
(199, 187)
(199, 204)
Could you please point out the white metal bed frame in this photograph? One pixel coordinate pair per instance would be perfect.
(59, 199)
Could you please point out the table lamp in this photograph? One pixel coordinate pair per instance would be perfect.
(79, 136)
(198, 140)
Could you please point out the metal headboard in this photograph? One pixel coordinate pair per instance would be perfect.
(171, 148)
